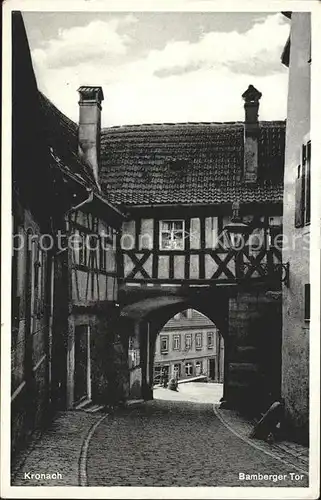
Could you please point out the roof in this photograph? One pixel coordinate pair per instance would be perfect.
(189, 163)
(62, 138)
(197, 320)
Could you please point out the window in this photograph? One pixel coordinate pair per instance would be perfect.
(188, 341)
(307, 302)
(189, 313)
(171, 235)
(188, 369)
(210, 340)
(308, 184)
(82, 249)
(198, 368)
(92, 243)
(157, 375)
(176, 342)
(303, 187)
(274, 231)
(164, 344)
(198, 341)
(102, 252)
(176, 370)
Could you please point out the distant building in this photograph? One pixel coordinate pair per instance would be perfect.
(189, 345)
(296, 227)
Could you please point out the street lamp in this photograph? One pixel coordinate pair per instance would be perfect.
(236, 230)
(236, 233)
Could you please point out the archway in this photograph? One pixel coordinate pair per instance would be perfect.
(144, 320)
(248, 320)
(189, 356)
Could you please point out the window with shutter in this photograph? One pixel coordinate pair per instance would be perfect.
(308, 184)
(299, 198)
(307, 302)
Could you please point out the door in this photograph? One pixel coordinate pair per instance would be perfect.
(82, 363)
(212, 368)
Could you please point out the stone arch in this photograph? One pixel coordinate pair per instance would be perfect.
(148, 316)
(249, 321)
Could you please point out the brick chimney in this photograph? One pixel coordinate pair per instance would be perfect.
(251, 134)
(89, 126)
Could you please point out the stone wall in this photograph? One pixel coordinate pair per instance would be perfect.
(253, 351)
(30, 333)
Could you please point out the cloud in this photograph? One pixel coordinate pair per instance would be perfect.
(96, 41)
(184, 81)
(255, 48)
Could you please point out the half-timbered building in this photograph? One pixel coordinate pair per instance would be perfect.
(86, 254)
(65, 349)
(182, 184)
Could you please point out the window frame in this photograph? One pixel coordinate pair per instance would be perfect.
(198, 364)
(210, 346)
(188, 336)
(307, 302)
(164, 338)
(302, 216)
(177, 337)
(188, 364)
(177, 370)
(306, 160)
(198, 345)
(162, 231)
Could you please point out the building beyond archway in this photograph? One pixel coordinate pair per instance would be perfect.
(189, 347)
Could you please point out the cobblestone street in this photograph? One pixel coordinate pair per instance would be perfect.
(175, 443)
(179, 439)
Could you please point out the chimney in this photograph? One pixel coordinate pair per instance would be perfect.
(89, 127)
(251, 134)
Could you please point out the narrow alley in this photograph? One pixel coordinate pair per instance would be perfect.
(161, 319)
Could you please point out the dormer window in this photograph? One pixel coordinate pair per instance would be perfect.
(171, 235)
(178, 164)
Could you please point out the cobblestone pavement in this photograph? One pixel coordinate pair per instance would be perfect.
(292, 453)
(58, 450)
(177, 443)
(175, 440)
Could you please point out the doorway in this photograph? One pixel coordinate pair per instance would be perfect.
(82, 363)
(211, 368)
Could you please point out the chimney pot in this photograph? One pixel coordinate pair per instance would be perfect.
(251, 133)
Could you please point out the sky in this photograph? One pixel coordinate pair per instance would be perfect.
(159, 67)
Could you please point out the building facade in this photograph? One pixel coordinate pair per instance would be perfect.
(296, 227)
(179, 183)
(188, 346)
(64, 279)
